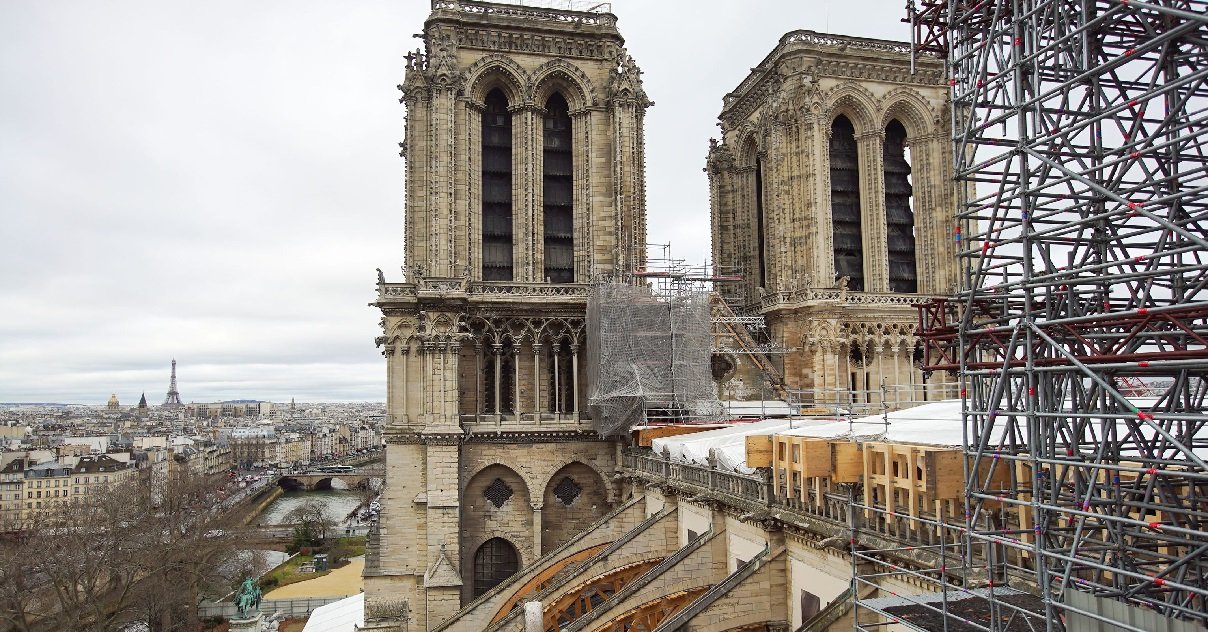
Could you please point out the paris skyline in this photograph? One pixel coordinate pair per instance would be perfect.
(217, 183)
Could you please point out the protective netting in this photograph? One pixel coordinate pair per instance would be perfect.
(648, 357)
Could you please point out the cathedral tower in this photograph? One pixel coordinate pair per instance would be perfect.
(831, 190)
(525, 179)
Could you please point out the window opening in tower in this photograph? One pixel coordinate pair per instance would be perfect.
(845, 204)
(557, 187)
(899, 217)
(496, 188)
(759, 236)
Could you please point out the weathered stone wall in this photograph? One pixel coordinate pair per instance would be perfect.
(779, 122)
(562, 520)
(522, 520)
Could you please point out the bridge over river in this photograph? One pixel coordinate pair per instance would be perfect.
(317, 479)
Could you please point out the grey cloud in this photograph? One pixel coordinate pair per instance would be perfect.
(217, 181)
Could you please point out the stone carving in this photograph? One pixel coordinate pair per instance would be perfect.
(555, 73)
(497, 68)
(528, 13)
(388, 609)
(625, 82)
(442, 68)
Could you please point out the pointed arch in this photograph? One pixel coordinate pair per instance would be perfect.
(854, 101)
(846, 228)
(911, 110)
(497, 234)
(575, 497)
(899, 214)
(559, 75)
(496, 71)
(557, 191)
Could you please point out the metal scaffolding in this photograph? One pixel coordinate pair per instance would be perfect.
(1081, 330)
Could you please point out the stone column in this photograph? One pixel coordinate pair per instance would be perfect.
(472, 253)
(581, 146)
(627, 111)
(556, 396)
(536, 529)
(404, 353)
(574, 372)
(478, 386)
(872, 210)
(498, 350)
(392, 402)
(417, 99)
(537, 380)
(516, 380)
(441, 175)
(527, 184)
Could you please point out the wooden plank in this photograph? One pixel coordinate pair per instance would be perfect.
(815, 457)
(759, 451)
(847, 462)
(945, 476)
(645, 436)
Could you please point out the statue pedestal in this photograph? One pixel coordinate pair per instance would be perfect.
(250, 624)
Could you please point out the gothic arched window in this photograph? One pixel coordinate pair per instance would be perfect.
(557, 192)
(495, 561)
(845, 203)
(760, 239)
(496, 188)
(899, 217)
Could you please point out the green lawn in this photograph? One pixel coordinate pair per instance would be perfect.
(287, 572)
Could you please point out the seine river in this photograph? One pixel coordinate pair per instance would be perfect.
(336, 505)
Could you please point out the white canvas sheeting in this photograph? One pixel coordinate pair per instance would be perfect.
(937, 423)
(345, 615)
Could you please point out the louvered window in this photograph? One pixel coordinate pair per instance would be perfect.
(899, 217)
(845, 204)
(760, 239)
(557, 192)
(496, 189)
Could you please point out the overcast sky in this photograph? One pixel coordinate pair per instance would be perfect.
(216, 181)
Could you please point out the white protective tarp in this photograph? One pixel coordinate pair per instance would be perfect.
(937, 423)
(345, 615)
(757, 408)
(728, 444)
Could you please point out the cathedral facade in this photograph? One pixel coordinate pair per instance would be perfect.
(831, 192)
(525, 179)
(525, 184)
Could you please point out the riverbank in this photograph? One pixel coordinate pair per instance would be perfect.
(341, 582)
(260, 503)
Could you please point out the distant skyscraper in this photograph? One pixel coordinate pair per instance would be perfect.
(173, 399)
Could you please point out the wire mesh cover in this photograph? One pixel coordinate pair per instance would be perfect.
(647, 352)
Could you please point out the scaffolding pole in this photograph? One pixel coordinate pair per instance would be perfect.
(1081, 330)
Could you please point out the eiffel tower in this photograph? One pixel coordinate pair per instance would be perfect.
(173, 399)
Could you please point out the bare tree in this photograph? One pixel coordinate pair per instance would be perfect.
(312, 522)
(127, 554)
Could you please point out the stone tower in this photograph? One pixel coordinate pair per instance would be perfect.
(525, 179)
(831, 190)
